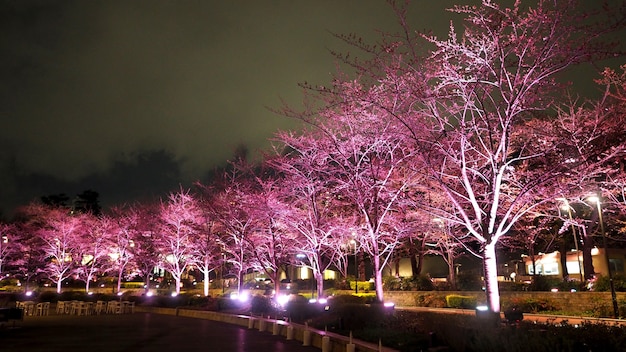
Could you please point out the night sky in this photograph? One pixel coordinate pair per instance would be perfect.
(131, 98)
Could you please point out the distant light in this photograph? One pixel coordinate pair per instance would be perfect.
(573, 290)
(482, 308)
(554, 290)
(149, 294)
(120, 293)
(389, 304)
(312, 300)
(102, 285)
(174, 294)
(90, 293)
(29, 293)
(322, 301)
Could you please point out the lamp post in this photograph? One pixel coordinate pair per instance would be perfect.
(596, 199)
(567, 207)
(356, 269)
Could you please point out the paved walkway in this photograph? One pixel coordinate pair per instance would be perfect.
(139, 332)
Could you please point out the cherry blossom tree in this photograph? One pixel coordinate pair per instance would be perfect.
(60, 235)
(368, 164)
(7, 246)
(123, 229)
(230, 205)
(316, 215)
(142, 242)
(92, 248)
(472, 107)
(31, 258)
(206, 251)
(178, 224)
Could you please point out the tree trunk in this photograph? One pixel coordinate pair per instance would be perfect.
(276, 280)
(239, 282)
(206, 283)
(451, 272)
(563, 252)
(119, 281)
(319, 278)
(490, 264)
(58, 285)
(177, 279)
(378, 279)
(414, 267)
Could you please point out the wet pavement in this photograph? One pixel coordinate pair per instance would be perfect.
(139, 332)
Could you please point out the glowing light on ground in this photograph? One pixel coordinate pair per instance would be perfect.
(282, 300)
(243, 297)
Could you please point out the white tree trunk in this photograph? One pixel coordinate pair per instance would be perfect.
(177, 284)
(491, 277)
(206, 283)
(378, 279)
(319, 279)
(119, 281)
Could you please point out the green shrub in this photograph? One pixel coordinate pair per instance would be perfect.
(458, 301)
(299, 310)
(429, 300)
(261, 305)
(529, 305)
(603, 283)
(73, 296)
(132, 284)
(392, 283)
(364, 286)
(48, 296)
(338, 300)
(544, 283)
(8, 282)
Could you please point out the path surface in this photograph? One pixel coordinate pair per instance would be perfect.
(139, 332)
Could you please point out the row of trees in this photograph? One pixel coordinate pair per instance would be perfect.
(465, 143)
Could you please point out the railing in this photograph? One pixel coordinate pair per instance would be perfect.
(326, 341)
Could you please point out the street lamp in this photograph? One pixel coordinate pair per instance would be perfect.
(566, 206)
(356, 269)
(596, 199)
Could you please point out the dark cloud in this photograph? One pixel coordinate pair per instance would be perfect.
(101, 92)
